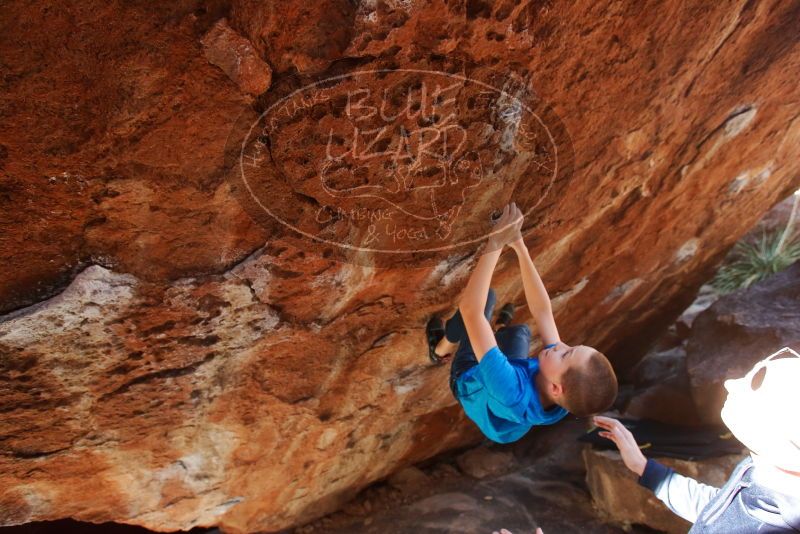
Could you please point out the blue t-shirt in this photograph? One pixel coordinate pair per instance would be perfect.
(499, 395)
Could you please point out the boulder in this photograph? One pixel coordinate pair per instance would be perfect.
(737, 331)
(483, 462)
(705, 298)
(618, 495)
(775, 219)
(659, 365)
(661, 386)
(668, 402)
(171, 357)
(409, 480)
(545, 489)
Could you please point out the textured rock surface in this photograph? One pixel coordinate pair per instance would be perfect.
(544, 488)
(660, 381)
(668, 403)
(482, 462)
(619, 496)
(184, 373)
(737, 331)
(237, 58)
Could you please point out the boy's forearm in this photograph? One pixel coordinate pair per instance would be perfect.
(535, 292)
(477, 290)
(536, 295)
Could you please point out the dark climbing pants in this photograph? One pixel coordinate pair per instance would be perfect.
(514, 341)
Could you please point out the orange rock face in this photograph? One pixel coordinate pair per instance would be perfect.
(208, 323)
(237, 58)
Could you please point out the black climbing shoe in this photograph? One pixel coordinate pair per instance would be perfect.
(506, 314)
(435, 332)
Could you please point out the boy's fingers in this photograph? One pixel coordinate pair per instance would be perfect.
(503, 217)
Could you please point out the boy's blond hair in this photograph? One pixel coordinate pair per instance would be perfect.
(591, 388)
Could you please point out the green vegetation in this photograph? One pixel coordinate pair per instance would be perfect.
(751, 262)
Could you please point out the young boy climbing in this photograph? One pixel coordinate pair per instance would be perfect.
(500, 388)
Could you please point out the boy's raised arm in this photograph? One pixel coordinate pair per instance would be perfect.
(536, 294)
(473, 301)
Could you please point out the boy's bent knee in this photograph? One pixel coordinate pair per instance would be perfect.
(521, 329)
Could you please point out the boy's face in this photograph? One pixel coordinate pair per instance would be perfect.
(761, 409)
(554, 362)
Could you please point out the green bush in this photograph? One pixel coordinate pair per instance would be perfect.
(751, 262)
(755, 261)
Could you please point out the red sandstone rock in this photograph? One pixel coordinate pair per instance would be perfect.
(619, 497)
(306, 36)
(185, 374)
(237, 58)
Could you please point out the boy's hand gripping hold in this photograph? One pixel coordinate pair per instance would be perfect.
(508, 229)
